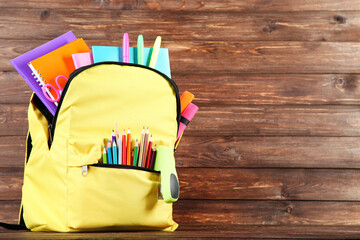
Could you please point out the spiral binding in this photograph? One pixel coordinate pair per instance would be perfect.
(40, 80)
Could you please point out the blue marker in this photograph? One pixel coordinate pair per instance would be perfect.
(109, 158)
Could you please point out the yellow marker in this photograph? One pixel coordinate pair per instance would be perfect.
(155, 52)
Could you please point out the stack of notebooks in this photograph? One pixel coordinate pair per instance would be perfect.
(42, 66)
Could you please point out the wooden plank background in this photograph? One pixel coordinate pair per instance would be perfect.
(274, 151)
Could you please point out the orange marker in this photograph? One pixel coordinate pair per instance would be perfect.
(128, 151)
(185, 99)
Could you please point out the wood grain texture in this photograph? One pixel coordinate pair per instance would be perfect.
(219, 57)
(248, 152)
(249, 232)
(239, 121)
(267, 212)
(233, 183)
(192, 5)
(272, 89)
(276, 121)
(13, 119)
(236, 212)
(268, 152)
(189, 231)
(230, 89)
(188, 26)
(273, 151)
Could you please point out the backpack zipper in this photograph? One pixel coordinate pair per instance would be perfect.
(79, 70)
(84, 169)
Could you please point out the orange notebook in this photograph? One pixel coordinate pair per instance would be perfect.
(58, 62)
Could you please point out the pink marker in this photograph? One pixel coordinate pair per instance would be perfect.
(125, 48)
(186, 117)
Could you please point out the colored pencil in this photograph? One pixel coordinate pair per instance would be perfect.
(117, 133)
(140, 147)
(114, 153)
(128, 144)
(109, 158)
(153, 155)
(136, 148)
(113, 136)
(104, 156)
(124, 148)
(148, 153)
(144, 147)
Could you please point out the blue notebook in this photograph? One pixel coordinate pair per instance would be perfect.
(107, 53)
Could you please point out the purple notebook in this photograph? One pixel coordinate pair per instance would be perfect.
(21, 65)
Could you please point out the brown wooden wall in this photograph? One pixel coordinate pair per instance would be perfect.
(274, 151)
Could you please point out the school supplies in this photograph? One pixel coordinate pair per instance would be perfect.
(128, 145)
(148, 153)
(115, 190)
(109, 157)
(124, 156)
(125, 48)
(20, 63)
(57, 90)
(140, 50)
(119, 144)
(155, 52)
(104, 155)
(178, 141)
(141, 149)
(153, 156)
(114, 153)
(41, 83)
(82, 59)
(185, 99)
(146, 138)
(57, 62)
(113, 136)
(109, 53)
(165, 163)
(186, 117)
(136, 149)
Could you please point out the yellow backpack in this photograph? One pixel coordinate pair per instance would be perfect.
(56, 196)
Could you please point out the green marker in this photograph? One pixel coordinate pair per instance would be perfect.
(136, 148)
(140, 50)
(165, 163)
(104, 156)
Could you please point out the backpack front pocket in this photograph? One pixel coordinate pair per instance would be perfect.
(116, 199)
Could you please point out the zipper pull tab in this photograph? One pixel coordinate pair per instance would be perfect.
(84, 170)
(50, 133)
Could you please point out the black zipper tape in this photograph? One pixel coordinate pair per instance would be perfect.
(122, 167)
(79, 70)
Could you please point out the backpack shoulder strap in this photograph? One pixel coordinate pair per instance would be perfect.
(13, 226)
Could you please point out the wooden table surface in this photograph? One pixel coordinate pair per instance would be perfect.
(274, 151)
